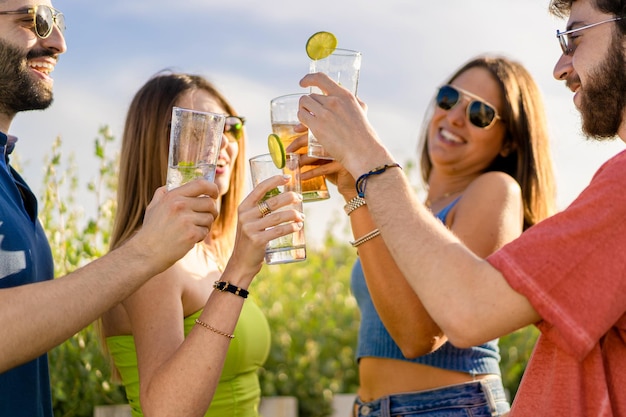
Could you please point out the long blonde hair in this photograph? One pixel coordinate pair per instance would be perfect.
(529, 161)
(143, 161)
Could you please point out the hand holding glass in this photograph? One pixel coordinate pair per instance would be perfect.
(284, 116)
(343, 67)
(195, 141)
(289, 248)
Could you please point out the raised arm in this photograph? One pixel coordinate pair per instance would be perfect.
(488, 215)
(178, 375)
(35, 318)
(398, 306)
(448, 278)
(393, 297)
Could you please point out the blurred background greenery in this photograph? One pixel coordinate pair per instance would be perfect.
(313, 317)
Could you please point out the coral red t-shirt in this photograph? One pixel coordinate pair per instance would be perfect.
(572, 269)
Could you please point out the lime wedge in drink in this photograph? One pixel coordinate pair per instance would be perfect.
(271, 193)
(188, 171)
(320, 45)
(277, 150)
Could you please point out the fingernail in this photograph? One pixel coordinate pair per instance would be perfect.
(300, 225)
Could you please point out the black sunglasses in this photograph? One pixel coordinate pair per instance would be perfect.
(44, 19)
(233, 126)
(480, 113)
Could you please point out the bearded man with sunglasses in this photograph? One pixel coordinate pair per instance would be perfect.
(36, 312)
(566, 274)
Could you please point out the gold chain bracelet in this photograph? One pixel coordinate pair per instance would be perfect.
(214, 330)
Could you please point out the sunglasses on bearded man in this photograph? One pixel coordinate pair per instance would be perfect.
(44, 18)
(480, 113)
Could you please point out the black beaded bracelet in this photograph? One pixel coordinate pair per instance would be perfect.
(361, 182)
(228, 287)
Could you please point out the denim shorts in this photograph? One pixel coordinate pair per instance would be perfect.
(481, 398)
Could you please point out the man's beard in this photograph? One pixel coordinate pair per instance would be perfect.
(18, 90)
(603, 99)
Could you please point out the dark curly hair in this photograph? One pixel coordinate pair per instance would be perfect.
(562, 8)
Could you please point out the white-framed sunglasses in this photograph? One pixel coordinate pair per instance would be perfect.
(479, 112)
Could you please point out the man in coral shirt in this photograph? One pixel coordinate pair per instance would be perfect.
(567, 274)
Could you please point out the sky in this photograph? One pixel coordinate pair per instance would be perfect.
(254, 51)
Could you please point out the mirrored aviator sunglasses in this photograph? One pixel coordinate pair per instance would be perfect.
(44, 19)
(233, 127)
(479, 113)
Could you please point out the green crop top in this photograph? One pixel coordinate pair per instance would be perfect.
(238, 392)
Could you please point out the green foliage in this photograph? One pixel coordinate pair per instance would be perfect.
(313, 317)
(515, 351)
(314, 322)
(79, 373)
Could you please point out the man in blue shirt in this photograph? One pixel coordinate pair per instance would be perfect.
(38, 316)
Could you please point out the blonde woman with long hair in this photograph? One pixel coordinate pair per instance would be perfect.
(176, 352)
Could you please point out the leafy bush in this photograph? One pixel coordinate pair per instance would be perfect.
(79, 373)
(515, 350)
(314, 322)
(313, 317)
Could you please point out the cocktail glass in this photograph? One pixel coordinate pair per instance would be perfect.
(342, 66)
(284, 117)
(195, 141)
(291, 247)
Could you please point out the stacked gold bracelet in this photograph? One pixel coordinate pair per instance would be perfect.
(354, 204)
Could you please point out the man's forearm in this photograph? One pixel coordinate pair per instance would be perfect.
(459, 290)
(37, 317)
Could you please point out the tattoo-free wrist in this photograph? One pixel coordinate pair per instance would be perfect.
(354, 204)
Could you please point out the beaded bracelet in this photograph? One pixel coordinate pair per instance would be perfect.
(227, 286)
(371, 235)
(214, 330)
(361, 182)
(354, 204)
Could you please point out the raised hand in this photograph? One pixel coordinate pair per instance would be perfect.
(340, 123)
(175, 220)
(255, 229)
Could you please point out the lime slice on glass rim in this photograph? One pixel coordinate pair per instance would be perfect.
(277, 150)
(320, 45)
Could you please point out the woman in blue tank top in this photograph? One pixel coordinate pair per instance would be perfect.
(485, 159)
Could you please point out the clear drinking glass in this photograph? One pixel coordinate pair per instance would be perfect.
(342, 66)
(195, 141)
(292, 247)
(284, 116)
